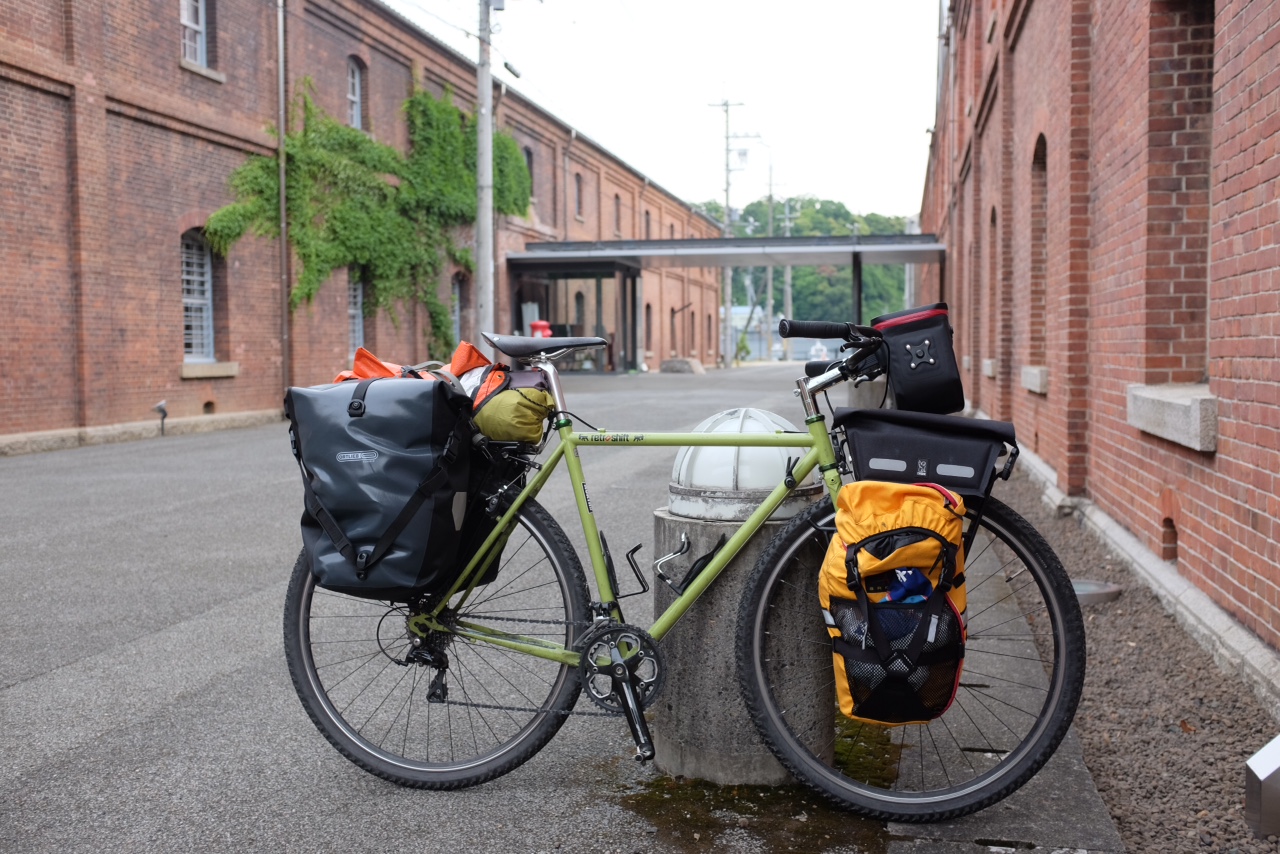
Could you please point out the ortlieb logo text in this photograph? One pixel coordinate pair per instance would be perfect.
(357, 456)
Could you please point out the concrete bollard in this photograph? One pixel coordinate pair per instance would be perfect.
(873, 395)
(701, 727)
(1262, 790)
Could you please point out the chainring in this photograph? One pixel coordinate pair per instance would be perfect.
(639, 653)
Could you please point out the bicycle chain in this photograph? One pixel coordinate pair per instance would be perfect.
(581, 623)
(562, 713)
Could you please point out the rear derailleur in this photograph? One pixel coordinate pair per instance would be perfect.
(427, 649)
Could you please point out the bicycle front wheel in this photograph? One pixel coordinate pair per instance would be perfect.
(467, 712)
(1022, 677)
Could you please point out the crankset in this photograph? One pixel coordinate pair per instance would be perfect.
(622, 672)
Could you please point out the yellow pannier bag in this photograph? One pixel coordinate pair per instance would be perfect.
(892, 594)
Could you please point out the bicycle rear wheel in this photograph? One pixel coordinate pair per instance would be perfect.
(381, 704)
(1023, 673)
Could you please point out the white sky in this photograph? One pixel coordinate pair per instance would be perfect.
(840, 92)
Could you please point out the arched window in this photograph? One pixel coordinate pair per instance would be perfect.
(197, 298)
(1039, 254)
(458, 293)
(671, 231)
(991, 309)
(577, 193)
(355, 93)
(355, 312)
(579, 308)
(617, 214)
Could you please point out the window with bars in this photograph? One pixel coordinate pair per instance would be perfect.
(197, 299)
(355, 93)
(355, 315)
(194, 16)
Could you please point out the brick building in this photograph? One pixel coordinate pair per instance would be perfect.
(123, 121)
(1104, 177)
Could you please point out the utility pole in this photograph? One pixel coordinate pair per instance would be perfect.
(484, 180)
(726, 331)
(768, 275)
(727, 346)
(286, 283)
(786, 282)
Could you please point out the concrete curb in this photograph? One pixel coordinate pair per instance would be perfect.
(1234, 648)
(58, 440)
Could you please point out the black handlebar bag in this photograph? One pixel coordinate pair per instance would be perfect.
(922, 362)
(385, 466)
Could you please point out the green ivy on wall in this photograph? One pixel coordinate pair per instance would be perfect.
(386, 216)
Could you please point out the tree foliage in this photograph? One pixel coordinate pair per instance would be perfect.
(825, 292)
(386, 216)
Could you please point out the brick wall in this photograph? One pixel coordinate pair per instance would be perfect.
(38, 300)
(1148, 217)
(121, 148)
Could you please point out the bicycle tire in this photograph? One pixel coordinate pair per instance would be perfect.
(502, 707)
(1024, 671)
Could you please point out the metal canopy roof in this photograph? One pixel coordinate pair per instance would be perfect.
(607, 257)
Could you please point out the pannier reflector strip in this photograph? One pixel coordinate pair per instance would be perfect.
(954, 471)
(883, 464)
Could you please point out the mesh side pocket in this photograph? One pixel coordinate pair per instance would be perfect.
(885, 686)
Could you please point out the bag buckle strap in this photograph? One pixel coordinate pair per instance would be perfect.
(356, 408)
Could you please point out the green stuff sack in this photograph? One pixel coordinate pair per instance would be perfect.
(515, 415)
(512, 406)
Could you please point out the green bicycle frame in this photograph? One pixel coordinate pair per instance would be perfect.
(818, 453)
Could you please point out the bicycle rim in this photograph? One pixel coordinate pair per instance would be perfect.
(351, 664)
(1023, 673)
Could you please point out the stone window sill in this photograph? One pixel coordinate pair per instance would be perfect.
(209, 370)
(1184, 413)
(216, 76)
(1035, 379)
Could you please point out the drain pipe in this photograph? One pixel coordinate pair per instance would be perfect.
(286, 319)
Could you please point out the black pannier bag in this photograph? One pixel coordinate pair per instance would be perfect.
(385, 466)
(922, 362)
(496, 478)
(962, 454)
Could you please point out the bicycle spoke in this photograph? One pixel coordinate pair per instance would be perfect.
(450, 711)
(993, 735)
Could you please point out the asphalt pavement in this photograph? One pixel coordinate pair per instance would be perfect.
(145, 704)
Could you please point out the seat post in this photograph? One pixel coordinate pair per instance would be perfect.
(549, 371)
